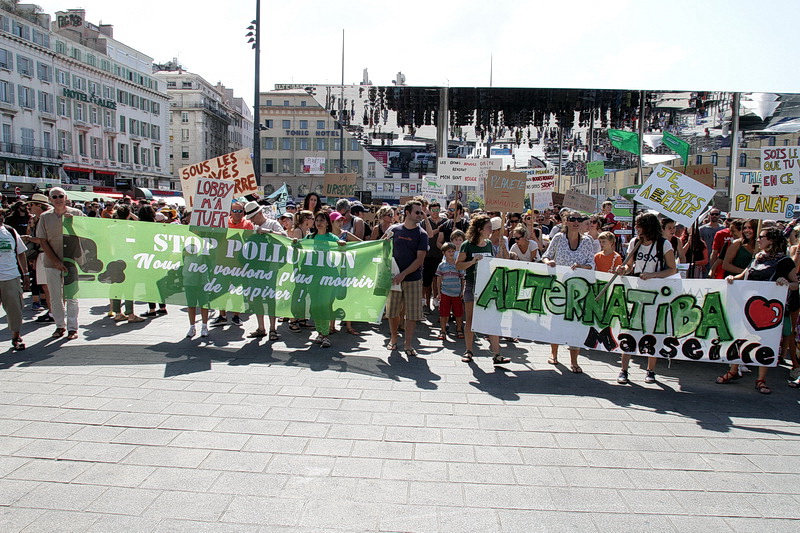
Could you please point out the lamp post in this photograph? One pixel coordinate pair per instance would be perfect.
(254, 35)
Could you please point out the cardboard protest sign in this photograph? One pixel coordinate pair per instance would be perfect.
(702, 173)
(433, 191)
(696, 320)
(674, 194)
(236, 167)
(465, 172)
(237, 270)
(540, 179)
(339, 185)
(595, 169)
(212, 203)
(505, 191)
(748, 201)
(780, 170)
(581, 202)
(314, 165)
(792, 211)
(542, 200)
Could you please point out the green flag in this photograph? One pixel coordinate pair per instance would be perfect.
(677, 145)
(625, 140)
(595, 169)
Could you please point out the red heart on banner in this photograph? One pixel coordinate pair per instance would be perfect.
(762, 313)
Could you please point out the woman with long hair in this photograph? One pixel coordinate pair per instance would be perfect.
(476, 247)
(770, 264)
(650, 256)
(523, 249)
(696, 252)
(303, 222)
(384, 218)
(570, 248)
(742, 248)
(312, 202)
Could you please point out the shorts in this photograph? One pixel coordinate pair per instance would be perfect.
(469, 292)
(409, 296)
(448, 303)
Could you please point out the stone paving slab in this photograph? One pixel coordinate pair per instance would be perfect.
(134, 428)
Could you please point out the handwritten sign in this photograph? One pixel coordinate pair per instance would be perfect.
(236, 167)
(465, 172)
(540, 179)
(702, 173)
(505, 191)
(792, 211)
(212, 203)
(433, 191)
(339, 185)
(542, 200)
(581, 202)
(748, 201)
(780, 170)
(674, 194)
(314, 165)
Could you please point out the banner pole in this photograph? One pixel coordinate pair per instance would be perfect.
(734, 144)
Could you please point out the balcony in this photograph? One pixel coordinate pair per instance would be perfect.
(31, 151)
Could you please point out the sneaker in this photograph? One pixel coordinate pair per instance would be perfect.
(219, 321)
(36, 306)
(149, 314)
(623, 377)
(47, 317)
(192, 331)
(650, 377)
(162, 311)
(236, 319)
(204, 330)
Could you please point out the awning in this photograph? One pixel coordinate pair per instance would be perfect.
(141, 192)
(88, 196)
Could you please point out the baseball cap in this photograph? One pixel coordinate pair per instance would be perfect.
(335, 215)
(497, 223)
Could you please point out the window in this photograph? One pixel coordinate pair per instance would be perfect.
(110, 149)
(109, 122)
(698, 160)
(145, 155)
(44, 72)
(78, 83)
(156, 156)
(184, 117)
(286, 143)
(76, 54)
(7, 133)
(20, 30)
(286, 124)
(268, 103)
(354, 165)
(6, 92)
(96, 148)
(62, 107)
(62, 77)
(61, 48)
(171, 85)
(267, 143)
(185, 152)
(728, 161)
(269, 123)
(337, 144)
(24, 65)
(320, 145)
(65, 141)
(771, 141)
(354, 146)
(82, 143)
(122, 124)
(155, 108)
(186, 85)
(91, 59)
(79, 110)
(303, 124)
(93, 117)
(122, 152)
(25, 96)
(5, 59)
(27, 141)
(320, 124)
(45, 102)
(286, 166)
(267, 166)
(42, 39)
(136, 159)
(155, 132)
(303, 103)
(714, 158)
(302, 144)
(47, 140)
(185, 135)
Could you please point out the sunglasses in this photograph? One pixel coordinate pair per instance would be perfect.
(57, 196)
(436, 210)
(451, 209)
(418, 213)
(237, 210)
(577, 219)
(516, 238)
(527, 218)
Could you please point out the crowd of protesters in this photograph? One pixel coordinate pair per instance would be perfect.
(436, 251)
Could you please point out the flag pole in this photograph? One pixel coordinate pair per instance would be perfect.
(734, 143)
(639, 180)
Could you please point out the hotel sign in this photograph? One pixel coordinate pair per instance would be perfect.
(83, 97)
(318, 133)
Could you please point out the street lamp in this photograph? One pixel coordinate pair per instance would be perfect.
(254, 38)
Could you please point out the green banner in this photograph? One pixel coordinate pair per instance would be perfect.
(677, 145)
(595, 169)
(235, 270)
(624, 140)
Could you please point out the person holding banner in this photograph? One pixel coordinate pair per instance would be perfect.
(569, 248)
(476, 247)
(303, 222)
(650, 256)
(770, 264)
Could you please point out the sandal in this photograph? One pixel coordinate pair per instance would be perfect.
(72, 335)
(304, 323)
(326, 342)
(500, 360)
(294, 326)
(761, 386)
(552, 361)
(794, 383)
(273, 335)
(257, 334)
(59, 332)
(411, 352)
(467, 357)
(460, 335)
(576, 369)
(441, 336)
(17, 343)
(392, 346)
(351, 331)
(727, 377)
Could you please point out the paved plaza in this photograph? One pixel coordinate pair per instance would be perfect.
(134, 428)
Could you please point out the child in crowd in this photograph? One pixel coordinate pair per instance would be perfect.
(457, 238)
(607, 260)
(451, 287)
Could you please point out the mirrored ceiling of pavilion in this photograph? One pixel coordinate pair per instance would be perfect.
(397, 124)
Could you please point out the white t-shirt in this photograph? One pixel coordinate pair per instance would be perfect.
(272, 225)
(646, 257)
(9, 248)
(531, 255)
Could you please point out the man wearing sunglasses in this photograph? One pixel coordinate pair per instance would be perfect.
(51, 235)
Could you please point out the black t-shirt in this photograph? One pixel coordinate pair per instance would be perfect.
(772, 269)
(434, 253)
(447, 228)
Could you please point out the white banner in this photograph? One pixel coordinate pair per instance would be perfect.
(748, 201)
(540, 179)
(697, 320)
(675, 195)
(465, 172)
(780, 170)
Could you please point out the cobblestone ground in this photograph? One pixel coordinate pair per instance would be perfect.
(135, 428)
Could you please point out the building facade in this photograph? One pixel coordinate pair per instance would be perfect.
(78, 107)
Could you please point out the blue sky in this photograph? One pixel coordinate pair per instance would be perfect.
(645, 44)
